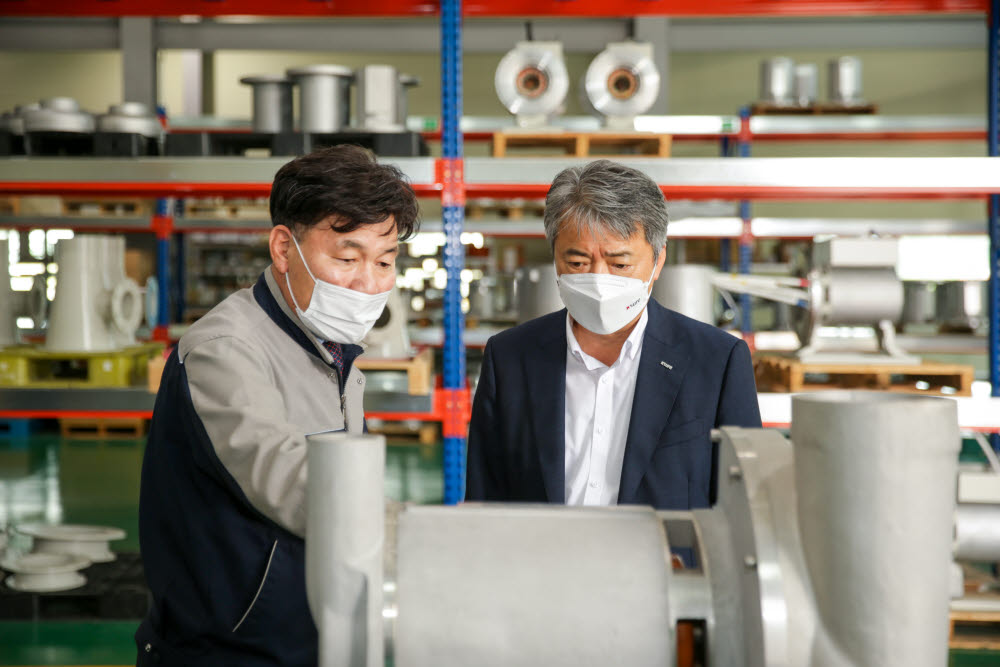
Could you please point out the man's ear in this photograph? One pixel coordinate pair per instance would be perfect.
(660, 261)
(280, 243)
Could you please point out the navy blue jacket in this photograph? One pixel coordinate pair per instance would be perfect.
(517, 437)
(228, 583)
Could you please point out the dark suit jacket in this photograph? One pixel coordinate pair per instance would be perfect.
(517, 437)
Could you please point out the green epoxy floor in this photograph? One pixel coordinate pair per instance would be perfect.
(46, 478)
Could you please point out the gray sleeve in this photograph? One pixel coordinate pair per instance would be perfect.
(244, 414)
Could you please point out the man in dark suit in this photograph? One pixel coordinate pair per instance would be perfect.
(613, 401)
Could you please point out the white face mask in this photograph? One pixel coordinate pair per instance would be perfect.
(602, 302)
(335, 313)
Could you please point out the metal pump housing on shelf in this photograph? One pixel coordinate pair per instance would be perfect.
(622, 82)
(532, 82)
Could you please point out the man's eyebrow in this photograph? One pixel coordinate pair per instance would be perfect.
(391, 251)
(620, 253)
(576, 252)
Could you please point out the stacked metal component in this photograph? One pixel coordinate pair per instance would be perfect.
(622, 82)
(532, 82)
(784, 83)
(836, 552)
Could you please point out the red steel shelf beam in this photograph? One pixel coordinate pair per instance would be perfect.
(509, 8)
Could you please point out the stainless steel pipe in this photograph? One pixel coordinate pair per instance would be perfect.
(875, 476)
(272, 102)
(345, 536)
(977, 533)
(324, 97)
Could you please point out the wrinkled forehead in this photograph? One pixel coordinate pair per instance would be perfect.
(575, 230)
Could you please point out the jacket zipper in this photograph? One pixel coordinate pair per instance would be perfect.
(259, 588)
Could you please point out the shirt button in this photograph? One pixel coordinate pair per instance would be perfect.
(148, 647)
(594, 485)
(600, 429)
(359, 380)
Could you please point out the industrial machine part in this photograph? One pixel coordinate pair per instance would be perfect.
(777, 81)
(378, 88)
(834, 552)
(91, 542)
(94, 309)
(622, 82)
(806, 84)
(851, 282)
(536, 292)
(406, 81)
(532, 82)
(688, 289)
(962, 305)
(389, 338)
(918, 302)
(272, 102)
(58, 114)
(844, 81)
(130, 118)
(8, 308)
(324, 97)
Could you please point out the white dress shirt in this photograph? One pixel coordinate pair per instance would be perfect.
(598, 411)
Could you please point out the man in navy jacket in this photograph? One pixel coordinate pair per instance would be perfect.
(613, 401)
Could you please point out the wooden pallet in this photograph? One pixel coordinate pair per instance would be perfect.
(787, 375)
(105, 207)
(27, 366)
(819, 109)
(10, 205)
(232, 209)
(426, 433)
(510, 209)
(419, 370)
(975, 630)
(585, 144)
(102, 428)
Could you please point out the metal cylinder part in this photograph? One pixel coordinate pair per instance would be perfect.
(345, 534)
(78, 321)
(875, 477)
(272, 102)
(536, 292)
(324, 97)
(977, 532)
(777, 81)
(531, 79)
(687, 288)
(844, 80)
(130, 118)
(806, 84)
(14, 122)
(622, 81)
(962, 305)
(495, 586)
(58, 114)
(918, 302)
(406, 81)
(860, 296)
(8, 310)
(377, 88)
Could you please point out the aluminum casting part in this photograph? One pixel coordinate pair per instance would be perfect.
(690, 588)
(272, 102)
(499, 585)
(130, 118)
(324, 97)
(58, 114)
(622, 81)
(545, 58)
(977, 532)
(406, 81)
(876, 471)
(844, 81)
(126, 307)
(687, 288)
(378, 88)
(345, 533)
(962, 304)
(777, 81)
(806, 84)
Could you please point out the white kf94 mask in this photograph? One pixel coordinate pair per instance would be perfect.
(335, 313)
(602, 302)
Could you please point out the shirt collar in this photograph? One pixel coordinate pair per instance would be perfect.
(629, 349)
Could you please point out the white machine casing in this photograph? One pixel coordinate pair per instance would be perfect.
(532, 82)
(622, 82)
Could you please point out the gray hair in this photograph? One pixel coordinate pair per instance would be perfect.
(604, 196)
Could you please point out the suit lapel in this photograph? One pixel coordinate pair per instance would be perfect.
(547, 372)
(656, 388)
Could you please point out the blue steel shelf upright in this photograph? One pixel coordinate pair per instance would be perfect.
(993, 216)
(453, 209)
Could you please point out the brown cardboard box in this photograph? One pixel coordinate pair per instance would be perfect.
(139, 265)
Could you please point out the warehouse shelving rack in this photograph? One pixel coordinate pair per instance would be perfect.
(453, 178)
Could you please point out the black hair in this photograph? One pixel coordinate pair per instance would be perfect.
(345, 182)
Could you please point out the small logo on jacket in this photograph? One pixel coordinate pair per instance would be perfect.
(666, 365)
